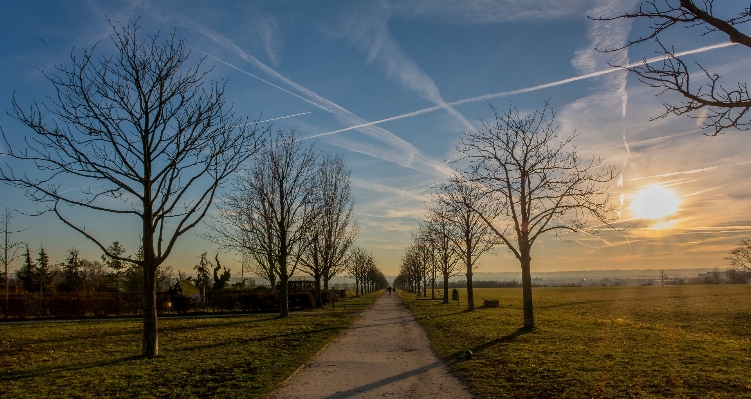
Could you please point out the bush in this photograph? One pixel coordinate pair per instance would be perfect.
(102, 304)
(182, 304)
(66, 306)
(302, 300)
(265, 301)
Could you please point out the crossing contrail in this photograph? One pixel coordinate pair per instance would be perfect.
(281, 117)
(529, 89)
(261, 79)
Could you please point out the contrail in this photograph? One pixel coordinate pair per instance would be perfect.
(281, 117)
(690, 172)
(261, 79)
(658, 138)
(530, 89)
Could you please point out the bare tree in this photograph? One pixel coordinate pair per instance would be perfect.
(663, 277)
(148, 136)
(716, 275)
(411, 269)
(740, 256)
(10, 251)
(419, 260)
(335, 229)
(443, 233)
(720, 108)
(360, 263)
(244, 223)
(537, 183)
(284, 183)
(465, 204)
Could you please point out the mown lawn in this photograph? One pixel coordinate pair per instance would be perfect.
(244, 356)
(599, 342)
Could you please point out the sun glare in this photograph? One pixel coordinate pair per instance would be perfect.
(654, 202)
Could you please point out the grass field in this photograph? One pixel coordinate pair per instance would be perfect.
(599, 342)
(243, 356)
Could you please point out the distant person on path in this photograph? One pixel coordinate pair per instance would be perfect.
(389, 289)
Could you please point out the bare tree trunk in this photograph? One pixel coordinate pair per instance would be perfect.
(445, 288)
(150, 344)
(470, 291)
(319, 299)
(283, 294)
(529, 315)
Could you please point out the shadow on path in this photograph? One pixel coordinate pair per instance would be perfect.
(382, 383)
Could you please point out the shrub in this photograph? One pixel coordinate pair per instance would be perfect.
(302, 300)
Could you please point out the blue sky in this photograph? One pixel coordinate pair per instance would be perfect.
(328, 66)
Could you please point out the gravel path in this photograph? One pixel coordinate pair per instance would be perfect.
(384, 354)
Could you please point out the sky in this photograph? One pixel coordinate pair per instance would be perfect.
(393, 86)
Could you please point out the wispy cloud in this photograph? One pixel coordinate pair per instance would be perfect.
(524, 90)
(688, 172)
(473, 12)
(398, 150)
(268, 30)
(368, 29)
(380, 188)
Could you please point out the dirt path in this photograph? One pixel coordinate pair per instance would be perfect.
(384, 354)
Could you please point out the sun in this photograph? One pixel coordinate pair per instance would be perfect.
(655, 202)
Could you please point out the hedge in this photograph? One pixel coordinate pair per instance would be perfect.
(104, 304)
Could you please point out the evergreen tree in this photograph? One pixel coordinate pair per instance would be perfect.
(28, 273)
(203, 278)
(118, 266)
(45, 272)
(73, 277)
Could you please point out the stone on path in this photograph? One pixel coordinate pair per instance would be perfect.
(384, 354)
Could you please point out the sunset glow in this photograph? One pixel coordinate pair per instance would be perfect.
(655, 202)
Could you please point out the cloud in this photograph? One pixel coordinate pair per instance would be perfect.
(529, 89)
(380, 188)
(268, 30)
(368, 30)
(473, 12)
(388, 146)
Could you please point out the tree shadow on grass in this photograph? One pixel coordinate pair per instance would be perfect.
(456, 356)
(137, 330)
(252, 340)
(56, 369)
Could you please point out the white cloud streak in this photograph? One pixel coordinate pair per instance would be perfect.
(527, 89)
(369, 31)
(689, 172)
(398, 150)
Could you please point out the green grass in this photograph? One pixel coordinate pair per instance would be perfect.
(220, 357)
(599, 342)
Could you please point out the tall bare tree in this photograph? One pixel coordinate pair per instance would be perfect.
(284, 184)
(463, 205)
(335, 229)
(147, 135)
(244, 223)
(443, 233)
(424, 248)
(10, 251)
(538, 182)
(719, 108)
(360, 263)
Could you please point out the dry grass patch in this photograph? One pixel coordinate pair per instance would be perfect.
(600, 342)
(243, 356)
